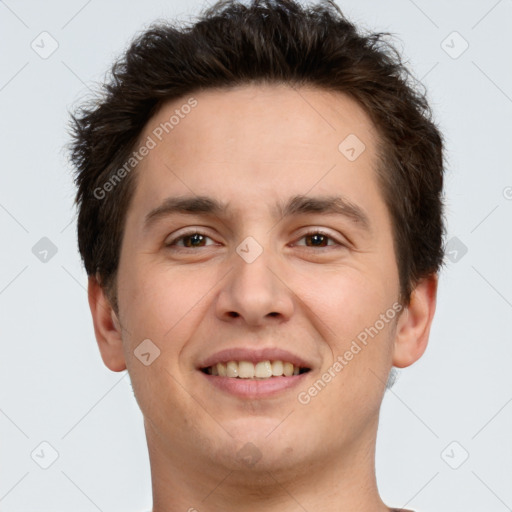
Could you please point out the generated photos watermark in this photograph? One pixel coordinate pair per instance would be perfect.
(305, 397)
(151, 142)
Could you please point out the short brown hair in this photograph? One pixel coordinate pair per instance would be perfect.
(267, 41)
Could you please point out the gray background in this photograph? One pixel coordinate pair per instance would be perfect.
(454, 402)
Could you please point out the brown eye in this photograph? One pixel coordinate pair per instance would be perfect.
(190, 240)
(319, 239)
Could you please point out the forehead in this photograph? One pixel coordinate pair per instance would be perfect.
(256, 141)
(222, 121)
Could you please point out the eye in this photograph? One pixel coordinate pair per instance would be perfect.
(318, 238)
(196, 239)
(190, 240)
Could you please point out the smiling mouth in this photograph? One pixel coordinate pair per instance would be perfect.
(248, 370)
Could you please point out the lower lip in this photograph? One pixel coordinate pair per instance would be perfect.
(255, 388)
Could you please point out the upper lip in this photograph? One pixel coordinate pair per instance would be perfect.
(254, 356)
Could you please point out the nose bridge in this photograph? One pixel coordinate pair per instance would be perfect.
(253, 290)
(252, 266)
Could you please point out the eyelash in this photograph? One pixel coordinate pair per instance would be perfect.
(304, 235)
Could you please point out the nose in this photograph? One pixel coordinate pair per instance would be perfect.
(255, 293)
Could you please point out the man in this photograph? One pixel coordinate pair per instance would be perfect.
(260, 217)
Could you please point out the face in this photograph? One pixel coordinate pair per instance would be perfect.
(296, 267)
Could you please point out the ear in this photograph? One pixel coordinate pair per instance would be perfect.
(413, 326)
(107, 327)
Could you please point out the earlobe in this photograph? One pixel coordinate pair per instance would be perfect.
(107, 328)
(413, 327)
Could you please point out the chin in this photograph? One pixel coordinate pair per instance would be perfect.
(260, 445)
(250, 461)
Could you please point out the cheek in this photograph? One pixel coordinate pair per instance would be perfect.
(346, 300)
(354, 380)
(162, 303)
(355, 315)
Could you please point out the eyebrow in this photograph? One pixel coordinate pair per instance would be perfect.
(296, 205)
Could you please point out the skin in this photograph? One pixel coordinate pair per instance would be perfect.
(252, 146)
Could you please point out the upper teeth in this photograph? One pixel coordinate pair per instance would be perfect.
(248, 370)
